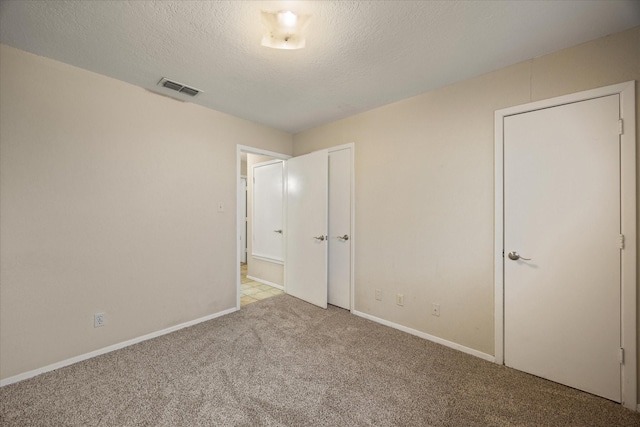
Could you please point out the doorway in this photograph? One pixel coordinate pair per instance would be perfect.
(565, 241)
(335, 235)
(261, 276)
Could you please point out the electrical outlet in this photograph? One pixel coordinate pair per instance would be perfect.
(379, 294)
(399, 299)
(98, 320)
(435, 309)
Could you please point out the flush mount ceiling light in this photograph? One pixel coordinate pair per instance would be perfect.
(284, 29)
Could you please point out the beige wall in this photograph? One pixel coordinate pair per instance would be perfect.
(258, 268)
(108, 203)
(424, 186)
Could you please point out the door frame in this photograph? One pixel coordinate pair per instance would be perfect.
(242, 209)
(251, 150)
(628, 224)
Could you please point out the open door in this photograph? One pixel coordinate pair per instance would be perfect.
(307, 223)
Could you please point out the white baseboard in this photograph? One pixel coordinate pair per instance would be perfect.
(426, 336)
(275, 285)
(110, 348)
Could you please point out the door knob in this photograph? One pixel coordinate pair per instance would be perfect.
(345, 237)
(515, 256)
(321, 238)
(277, 231)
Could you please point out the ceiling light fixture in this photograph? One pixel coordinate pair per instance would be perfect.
(284, 29)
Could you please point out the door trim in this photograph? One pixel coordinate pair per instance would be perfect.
(239, 150)
(242, 209)
(628, 224)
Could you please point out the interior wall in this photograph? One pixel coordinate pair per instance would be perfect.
(108, 203)
(425, 190)
(258, 268)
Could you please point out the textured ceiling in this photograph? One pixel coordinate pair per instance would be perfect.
(359, 54)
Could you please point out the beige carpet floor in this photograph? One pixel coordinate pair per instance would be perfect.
(282, 362)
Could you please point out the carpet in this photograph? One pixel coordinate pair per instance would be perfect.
(283, 362)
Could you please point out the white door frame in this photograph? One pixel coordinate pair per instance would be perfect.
(628, 224)
(239, 220)
(242, 209)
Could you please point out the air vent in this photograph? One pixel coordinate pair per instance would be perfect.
(179, 87)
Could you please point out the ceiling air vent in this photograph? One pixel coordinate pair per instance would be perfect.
(178, 87)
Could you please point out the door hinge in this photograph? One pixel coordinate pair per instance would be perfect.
(620, 127)
(621, 356)
(622, 241)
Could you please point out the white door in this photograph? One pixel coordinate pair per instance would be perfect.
(267, 219)
(340, 228)
(306, 233)
(562, 210)
(242, 196)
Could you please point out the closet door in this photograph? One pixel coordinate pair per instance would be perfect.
(340, 236)
(306, 233)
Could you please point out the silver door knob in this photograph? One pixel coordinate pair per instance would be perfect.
(277, 231)
(516, 256)
(321, 238)
(345, 237)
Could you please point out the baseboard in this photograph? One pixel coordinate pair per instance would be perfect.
(266, 282)
(110, 348)
(426, 336)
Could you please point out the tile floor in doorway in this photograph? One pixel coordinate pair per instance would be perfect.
(254, 291)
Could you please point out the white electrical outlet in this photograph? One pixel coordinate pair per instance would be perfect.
(379, 294)
(435, 309)
(399, 299)
(98, 320)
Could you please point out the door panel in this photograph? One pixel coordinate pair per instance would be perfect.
(562, 210)
(307, 194)
(339, 226)
(268, 210)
